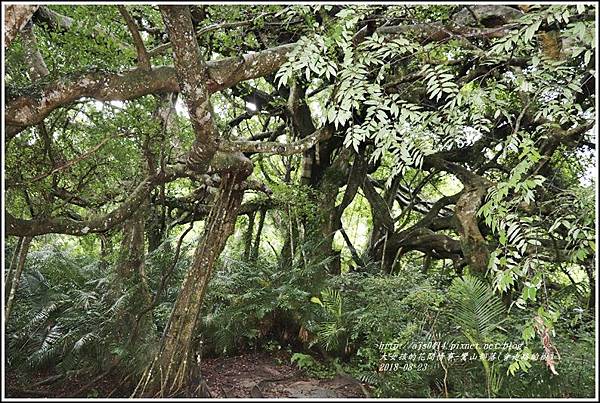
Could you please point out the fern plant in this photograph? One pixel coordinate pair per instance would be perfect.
(251, 300)
(70, 318)
(478, 312)
(332, 330)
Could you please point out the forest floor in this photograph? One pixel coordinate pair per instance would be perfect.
(243, 376)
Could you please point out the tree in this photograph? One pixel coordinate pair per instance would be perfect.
(190, 111)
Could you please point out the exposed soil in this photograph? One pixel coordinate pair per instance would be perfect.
(249, 375)
(262, 375)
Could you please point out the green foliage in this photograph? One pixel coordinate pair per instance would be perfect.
(303, 361)
(72, 317)
(379, 309)
(253, 300)
(477, 312)
(331, 331)
(69, 317)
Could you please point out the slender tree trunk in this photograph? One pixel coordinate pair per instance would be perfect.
(105, 251)
(589, 266)
(131, 253)
(17, 277)
(261, 223)
(131, 278)
(173, 366)
(248, 236)
(328, 229)
(13, 264)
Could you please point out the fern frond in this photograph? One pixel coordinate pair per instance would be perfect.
(477, 310)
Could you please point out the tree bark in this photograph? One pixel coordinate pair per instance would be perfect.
(35, 63)
(472, 242)
(261, 223)
(13, 264)
(131, 279)
(15, 18)
(17, 277)
(170, 372)
(248, 235)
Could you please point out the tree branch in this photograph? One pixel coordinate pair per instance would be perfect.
(142, 56)
(274, 147)
(160, 49)
(60, 225)
(15, 18)
(29, 106)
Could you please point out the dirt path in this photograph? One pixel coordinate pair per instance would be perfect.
(243, 376)
(261, 375)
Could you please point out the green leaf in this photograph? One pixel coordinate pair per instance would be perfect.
(528, 333)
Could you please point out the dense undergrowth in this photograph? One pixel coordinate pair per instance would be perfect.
(71, 319)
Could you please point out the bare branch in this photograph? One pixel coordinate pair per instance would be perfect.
(66, 165)
(142, 55)
(60, 225)
(160, 49)
(274, 147)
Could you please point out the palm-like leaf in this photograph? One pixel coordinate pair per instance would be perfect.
(477, 310)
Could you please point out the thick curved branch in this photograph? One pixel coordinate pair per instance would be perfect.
(435, 31)
(435, 210)
(52, 20)
(558, 137)
(382, 216)
(29, 106)
(192, 74)
(426, 241)
(487, 15)
(36, 66)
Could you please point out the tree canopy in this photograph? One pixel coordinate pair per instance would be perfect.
(306, 168)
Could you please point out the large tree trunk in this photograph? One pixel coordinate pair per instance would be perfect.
(473, 243)
(171, 371)
(333, 177)
(383, 227)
